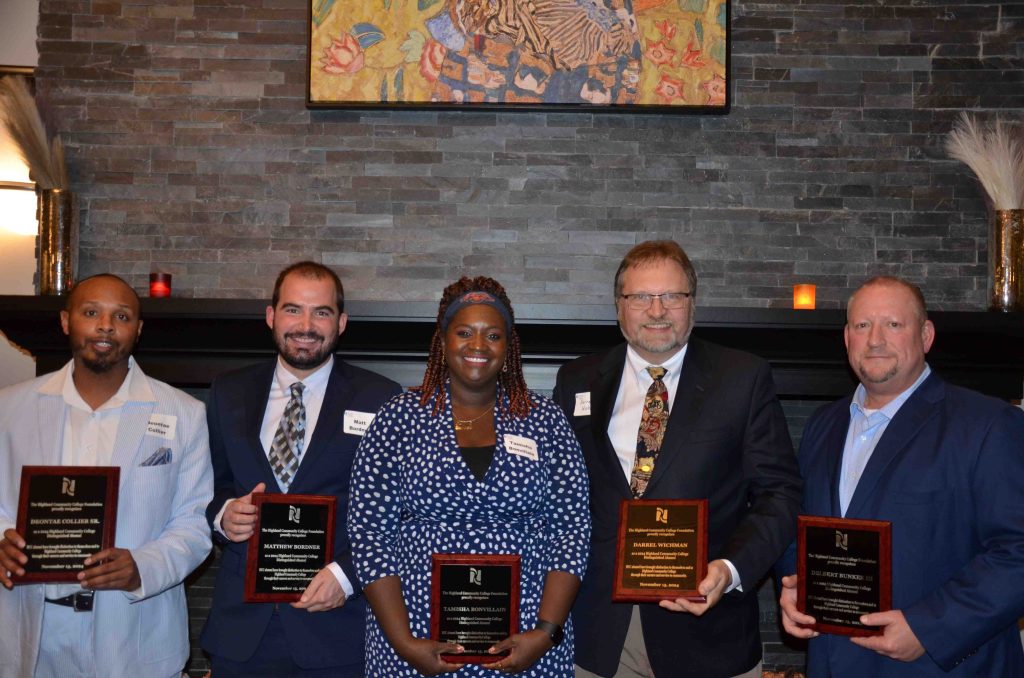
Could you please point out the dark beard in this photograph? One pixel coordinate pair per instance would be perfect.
(307, 361)
(99, 365)
(103, 363)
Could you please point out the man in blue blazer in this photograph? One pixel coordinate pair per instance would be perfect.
(249, 410)
(126, 615)
(945, 466)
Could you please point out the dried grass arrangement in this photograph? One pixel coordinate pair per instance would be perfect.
(24, 125)
(995, 153)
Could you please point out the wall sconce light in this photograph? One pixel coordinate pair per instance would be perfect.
(19, 221)
(18, 207)
(804, 296)
(18, 199)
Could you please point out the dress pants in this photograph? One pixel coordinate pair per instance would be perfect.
(65, 648)
(633, 663)
(273, 659)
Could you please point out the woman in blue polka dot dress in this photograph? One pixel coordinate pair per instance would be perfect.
(471, 462)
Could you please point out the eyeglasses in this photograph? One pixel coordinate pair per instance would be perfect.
(643, 301)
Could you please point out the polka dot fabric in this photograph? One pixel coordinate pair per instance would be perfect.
(412, 496)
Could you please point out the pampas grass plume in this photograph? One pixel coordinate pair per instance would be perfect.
(995, 156)
(21, 119)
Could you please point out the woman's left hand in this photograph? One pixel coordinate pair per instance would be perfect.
(525, 649)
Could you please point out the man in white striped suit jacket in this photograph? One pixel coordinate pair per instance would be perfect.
(126, 616)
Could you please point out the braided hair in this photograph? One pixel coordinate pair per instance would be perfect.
(510, 377)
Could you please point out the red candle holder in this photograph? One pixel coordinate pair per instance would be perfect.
(159, 284)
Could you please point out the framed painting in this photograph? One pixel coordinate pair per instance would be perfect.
(629, 55)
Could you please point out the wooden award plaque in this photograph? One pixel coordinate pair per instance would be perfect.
(844, 570)
(474, 602)
(662, 550)
(292, 541)
(65, 514)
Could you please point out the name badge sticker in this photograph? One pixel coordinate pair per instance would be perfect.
(582, 405)
(356, 423)
(521, 447)
(162, 426)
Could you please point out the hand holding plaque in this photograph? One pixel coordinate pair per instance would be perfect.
(844, 570)
(292, 541)
(65, 515)
(662, 550)
(12, 558)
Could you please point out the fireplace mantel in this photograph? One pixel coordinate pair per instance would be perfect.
(187, 342)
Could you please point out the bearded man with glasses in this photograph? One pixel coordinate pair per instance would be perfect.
(668, 416)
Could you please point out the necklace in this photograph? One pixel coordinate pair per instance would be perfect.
(467, 424)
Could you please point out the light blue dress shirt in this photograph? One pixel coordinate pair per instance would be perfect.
(866, 429)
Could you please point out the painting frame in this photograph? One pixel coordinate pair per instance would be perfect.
(658, 56)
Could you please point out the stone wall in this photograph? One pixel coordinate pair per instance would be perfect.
(193, 152)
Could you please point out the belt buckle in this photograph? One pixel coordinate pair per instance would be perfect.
(82, 601)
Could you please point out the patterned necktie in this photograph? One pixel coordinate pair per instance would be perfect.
(652, 431)
(286, 449)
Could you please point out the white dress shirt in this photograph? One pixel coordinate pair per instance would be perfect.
(313, 400)
(280, 393)
(629, 409)
(629, 403)
(90, 435)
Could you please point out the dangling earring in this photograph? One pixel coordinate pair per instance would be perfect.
(504, 366)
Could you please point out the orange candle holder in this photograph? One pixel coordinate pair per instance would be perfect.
(804, 296)
(159, 285)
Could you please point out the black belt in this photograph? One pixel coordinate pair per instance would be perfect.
(79, 602)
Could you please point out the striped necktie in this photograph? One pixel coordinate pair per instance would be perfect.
(286, 449)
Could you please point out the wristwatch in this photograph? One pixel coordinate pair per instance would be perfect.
(554, 631)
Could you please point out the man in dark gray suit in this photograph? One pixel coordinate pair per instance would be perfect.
(723, 438)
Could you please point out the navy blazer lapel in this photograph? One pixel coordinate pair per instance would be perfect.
(834, 441)
(336, 399)
(685, 410)
(254, 408)
(604, 388)
(919, 408)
